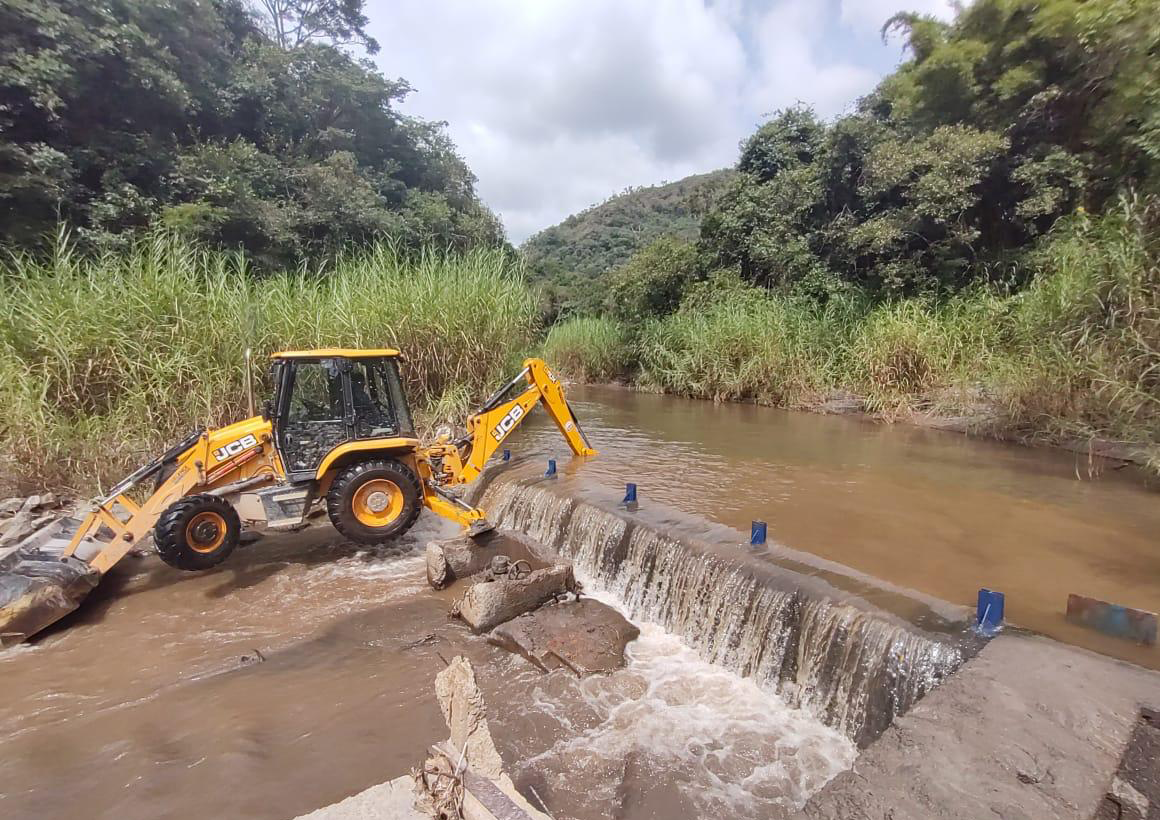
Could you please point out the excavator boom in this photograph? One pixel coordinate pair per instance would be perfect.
(498, 418)
(462, 461)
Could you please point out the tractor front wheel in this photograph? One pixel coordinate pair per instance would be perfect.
(373, 501)
(197, 532)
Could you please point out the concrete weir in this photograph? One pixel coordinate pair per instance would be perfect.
(852, 665)
(1028, 729)
(949, 725)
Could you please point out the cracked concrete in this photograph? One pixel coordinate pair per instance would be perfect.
(1028, 729)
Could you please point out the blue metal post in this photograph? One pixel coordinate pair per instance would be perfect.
(629, 501)
(507, 455)
(989, 611)
(757, 534)
(551, 468)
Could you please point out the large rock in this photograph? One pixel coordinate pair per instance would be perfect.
(10, 506)
(487, 604)
(457, 558)
(585, 636)
(18, 528)
(470, 755)
(461, 702)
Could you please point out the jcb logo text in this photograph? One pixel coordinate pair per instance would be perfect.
(507, 423)
(234, 447)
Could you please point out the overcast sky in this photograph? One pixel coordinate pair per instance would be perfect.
(556, 104)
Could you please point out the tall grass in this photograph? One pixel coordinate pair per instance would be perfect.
(589, 348)
(1076, 355)
(917, 355)
(105, 360)
(1087, 335)
(749, 345)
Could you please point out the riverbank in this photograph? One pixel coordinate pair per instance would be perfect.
(1072, 357)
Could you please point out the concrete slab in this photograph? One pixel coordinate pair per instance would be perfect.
(393, 800)
(488, 604)
(1135, 790)
(1028, 729)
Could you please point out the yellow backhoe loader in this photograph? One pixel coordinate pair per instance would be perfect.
(337, 431)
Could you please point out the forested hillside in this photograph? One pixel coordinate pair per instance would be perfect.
(979, 237)
(569, 258)
(240, 124)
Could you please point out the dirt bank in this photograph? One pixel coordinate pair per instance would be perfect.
(983, 421)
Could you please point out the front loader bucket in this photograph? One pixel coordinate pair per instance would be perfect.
(38, 587)
(40, 590)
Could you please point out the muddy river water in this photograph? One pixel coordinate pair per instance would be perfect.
(300, 671)
(926, 510)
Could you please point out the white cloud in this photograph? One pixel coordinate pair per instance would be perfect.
(871, 14)
(557, 104)
(790, 70)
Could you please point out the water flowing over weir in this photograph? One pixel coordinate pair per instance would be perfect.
(854, 667)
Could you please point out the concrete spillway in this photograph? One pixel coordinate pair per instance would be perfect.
(855, 667)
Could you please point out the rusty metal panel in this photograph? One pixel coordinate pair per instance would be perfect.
(1112, 619)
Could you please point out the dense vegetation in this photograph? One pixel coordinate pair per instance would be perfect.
(106, 361)
(567, 260)
(979, 237)
(240, 123)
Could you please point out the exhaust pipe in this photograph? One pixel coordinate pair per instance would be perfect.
(249, 384)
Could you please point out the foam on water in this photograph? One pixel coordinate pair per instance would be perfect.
(852, 668)
(728, 747)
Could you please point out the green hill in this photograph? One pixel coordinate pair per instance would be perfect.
(604, 236)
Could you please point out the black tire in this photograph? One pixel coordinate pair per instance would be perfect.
(349, 489)
(197, 532)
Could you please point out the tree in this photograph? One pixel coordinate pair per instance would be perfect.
(653, 281)
(293, 23)
(118, 115)
(998, 125)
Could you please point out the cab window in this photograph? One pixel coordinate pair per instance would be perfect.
(317, 393)
(315, 421)
(376, 411)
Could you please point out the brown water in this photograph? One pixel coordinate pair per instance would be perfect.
(301, 672)
(153, 701)
(927, 510)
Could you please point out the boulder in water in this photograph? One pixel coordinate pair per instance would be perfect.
(454, 559)
(469, 757)
(585, 636)
(488, 604)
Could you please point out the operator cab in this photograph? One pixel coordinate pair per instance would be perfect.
(324, 399)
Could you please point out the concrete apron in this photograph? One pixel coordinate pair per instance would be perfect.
(1029, 728)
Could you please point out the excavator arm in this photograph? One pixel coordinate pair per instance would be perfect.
(462, 461)
(500, 415)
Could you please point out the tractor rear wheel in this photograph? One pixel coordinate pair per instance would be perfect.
(375, 500)
(197, 532)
